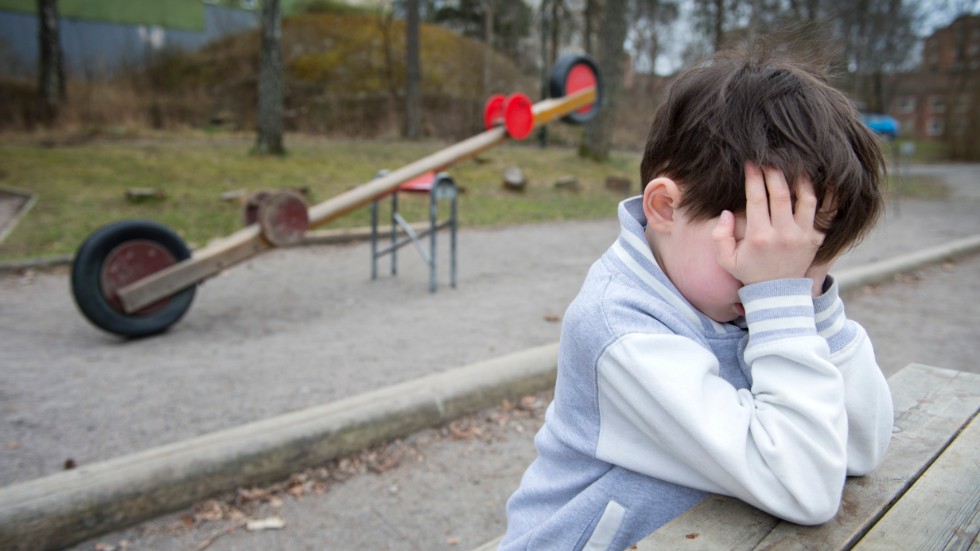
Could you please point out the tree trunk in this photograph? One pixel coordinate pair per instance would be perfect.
(413, 73)
(385, 22)
(719, 24)
(51, 73)
(589, 16)
(555, 8)
(597, 138)
(269, 140)
(488, 47)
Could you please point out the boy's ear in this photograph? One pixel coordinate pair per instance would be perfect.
(661, 197)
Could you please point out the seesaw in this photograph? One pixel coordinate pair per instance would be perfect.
(136, 278)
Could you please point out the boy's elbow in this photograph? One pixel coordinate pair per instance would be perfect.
(822, 513)
(864, 465)
(816, 504)
(817, 510)
(864, 457)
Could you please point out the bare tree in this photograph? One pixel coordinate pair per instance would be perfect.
(269, 140)
(51, 73)
(488, 39)
(413, 72)
(386, 20)
(588, 16)
(650, 21)
(877, 38)
(597, 138)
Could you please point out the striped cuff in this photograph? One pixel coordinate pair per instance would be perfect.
(831, 322)
(778, 309)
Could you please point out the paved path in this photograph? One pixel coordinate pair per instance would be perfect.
(301, 327)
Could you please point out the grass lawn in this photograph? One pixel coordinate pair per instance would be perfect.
(82, 187)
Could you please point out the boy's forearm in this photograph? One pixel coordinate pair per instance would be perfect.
(780, 446)
(868, 401)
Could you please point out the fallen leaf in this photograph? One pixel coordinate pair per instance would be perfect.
(270, 523)
(692, 536)
(210, 510)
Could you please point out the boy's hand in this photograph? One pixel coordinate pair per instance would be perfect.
(778, 243)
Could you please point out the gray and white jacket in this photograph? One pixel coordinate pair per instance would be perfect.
(657, 406)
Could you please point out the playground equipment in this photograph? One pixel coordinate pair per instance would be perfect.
(136, 278)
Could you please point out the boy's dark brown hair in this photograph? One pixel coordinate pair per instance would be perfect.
(734, 108)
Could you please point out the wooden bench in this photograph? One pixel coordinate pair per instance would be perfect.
(924, 495)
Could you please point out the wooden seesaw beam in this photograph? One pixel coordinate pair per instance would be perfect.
(248, 241)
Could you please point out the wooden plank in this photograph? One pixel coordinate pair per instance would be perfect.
(941, 510)
(719, 522)
(350, 200)
(205, 263)
(248, 242)
(547, 110)
(931, 406)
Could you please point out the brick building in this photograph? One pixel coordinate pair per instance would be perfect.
(940, 100)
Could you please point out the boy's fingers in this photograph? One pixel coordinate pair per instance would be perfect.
(828, 208)
(780, 199)
(724, 237)
(806, 205)
(756, 200)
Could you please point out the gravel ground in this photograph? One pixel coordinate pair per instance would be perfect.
(300, 327)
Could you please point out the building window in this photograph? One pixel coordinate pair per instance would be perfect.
(935, 127)
(906, 104)
(937, 104)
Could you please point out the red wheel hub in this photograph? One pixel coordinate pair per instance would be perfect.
(131, 261)
(579, 78)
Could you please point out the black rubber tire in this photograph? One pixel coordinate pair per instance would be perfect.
(86, 282)
(559, 77)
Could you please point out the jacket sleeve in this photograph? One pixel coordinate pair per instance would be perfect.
(867, 399)
(781, 445)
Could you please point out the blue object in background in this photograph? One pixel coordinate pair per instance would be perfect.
(883, 125)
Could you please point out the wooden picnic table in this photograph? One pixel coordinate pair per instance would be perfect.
(924, 495)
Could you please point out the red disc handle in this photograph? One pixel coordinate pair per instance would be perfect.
(493, 111)
(518, 117)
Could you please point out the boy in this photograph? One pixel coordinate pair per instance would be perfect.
(708, 351)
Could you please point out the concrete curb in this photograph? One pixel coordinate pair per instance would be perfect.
(62, 509)
(877, 272)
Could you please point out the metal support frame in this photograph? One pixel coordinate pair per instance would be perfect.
(442, 187)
